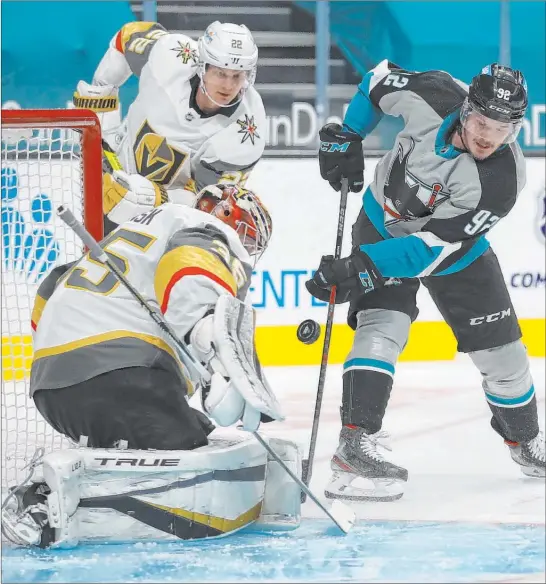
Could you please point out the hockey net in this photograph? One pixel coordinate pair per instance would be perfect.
(49, 158)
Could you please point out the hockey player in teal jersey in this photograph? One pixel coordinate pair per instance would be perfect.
(454, 171)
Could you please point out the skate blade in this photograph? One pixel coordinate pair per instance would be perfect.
(20, 531)
(384, 489)
(536, 473)
(363, 498)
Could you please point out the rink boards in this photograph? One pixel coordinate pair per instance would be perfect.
(304, 210)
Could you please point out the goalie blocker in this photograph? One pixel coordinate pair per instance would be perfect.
(113, 495)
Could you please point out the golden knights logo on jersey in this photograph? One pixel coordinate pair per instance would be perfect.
(155, 159)
(248, 128)
(406, 195)
(185, 52)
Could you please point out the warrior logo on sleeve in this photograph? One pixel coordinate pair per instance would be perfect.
(155, 159)
(406, 195)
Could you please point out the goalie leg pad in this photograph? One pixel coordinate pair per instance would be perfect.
(62, 473)
(123, 496)
(142, 495)
(282, 502)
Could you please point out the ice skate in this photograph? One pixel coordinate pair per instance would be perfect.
(360, 470)
(529, 455)
(25, 517)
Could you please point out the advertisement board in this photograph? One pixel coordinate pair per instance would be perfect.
(291, 127)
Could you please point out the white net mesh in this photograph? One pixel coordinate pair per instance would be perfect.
(38, 174)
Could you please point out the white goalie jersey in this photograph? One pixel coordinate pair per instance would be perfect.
(164, 136)
(86, 323)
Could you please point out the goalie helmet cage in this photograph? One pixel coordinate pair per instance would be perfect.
(49, 158)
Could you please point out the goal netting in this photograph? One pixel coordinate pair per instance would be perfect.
(49, 158)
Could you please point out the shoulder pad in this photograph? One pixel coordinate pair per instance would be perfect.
(174, 55)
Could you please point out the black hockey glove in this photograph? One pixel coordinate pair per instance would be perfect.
(355, 273)
(321, 292)
(341, 154)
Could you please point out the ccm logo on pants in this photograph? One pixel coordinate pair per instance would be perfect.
(490, 317)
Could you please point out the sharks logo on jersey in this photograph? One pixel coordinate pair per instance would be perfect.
(406, 195)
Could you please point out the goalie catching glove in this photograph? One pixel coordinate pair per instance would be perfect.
(224, 342)
(126, 195)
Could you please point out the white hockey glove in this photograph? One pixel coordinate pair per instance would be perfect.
(103, 100)
(224, 341)
(126, 195)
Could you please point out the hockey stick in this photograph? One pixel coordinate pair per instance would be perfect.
(339, 513)
(307, 469)
(110, 158)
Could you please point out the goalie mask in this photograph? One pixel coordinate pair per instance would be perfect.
(242, 210)
(231, 47)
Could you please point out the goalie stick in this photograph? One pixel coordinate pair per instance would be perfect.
(339, 513)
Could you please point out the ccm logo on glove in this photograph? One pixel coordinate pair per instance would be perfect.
(341, 155)
(354, 274)
(334, 147)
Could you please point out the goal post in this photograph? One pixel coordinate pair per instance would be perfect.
(49, 158)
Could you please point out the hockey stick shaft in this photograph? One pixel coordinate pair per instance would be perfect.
(187, 358)
(308, 468)
(345, 517)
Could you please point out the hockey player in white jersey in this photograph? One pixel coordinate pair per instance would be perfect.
(197, 119)
(107, 377)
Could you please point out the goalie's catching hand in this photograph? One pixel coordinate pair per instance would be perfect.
(224, 341)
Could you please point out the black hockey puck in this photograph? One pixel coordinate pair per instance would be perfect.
(308, 331)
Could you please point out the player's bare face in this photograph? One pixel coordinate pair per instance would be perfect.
(482, 136)
(222, 85)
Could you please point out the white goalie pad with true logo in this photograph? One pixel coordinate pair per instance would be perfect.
(233, 338)
(116, 495)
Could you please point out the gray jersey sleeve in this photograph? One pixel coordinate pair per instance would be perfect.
(136, 41)
(398, 92)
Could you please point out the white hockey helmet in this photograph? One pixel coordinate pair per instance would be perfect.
(229, 46)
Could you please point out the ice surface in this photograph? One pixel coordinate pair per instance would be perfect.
(373, 552)
(468, 514)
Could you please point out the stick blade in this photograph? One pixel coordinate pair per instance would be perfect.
(344, 515)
